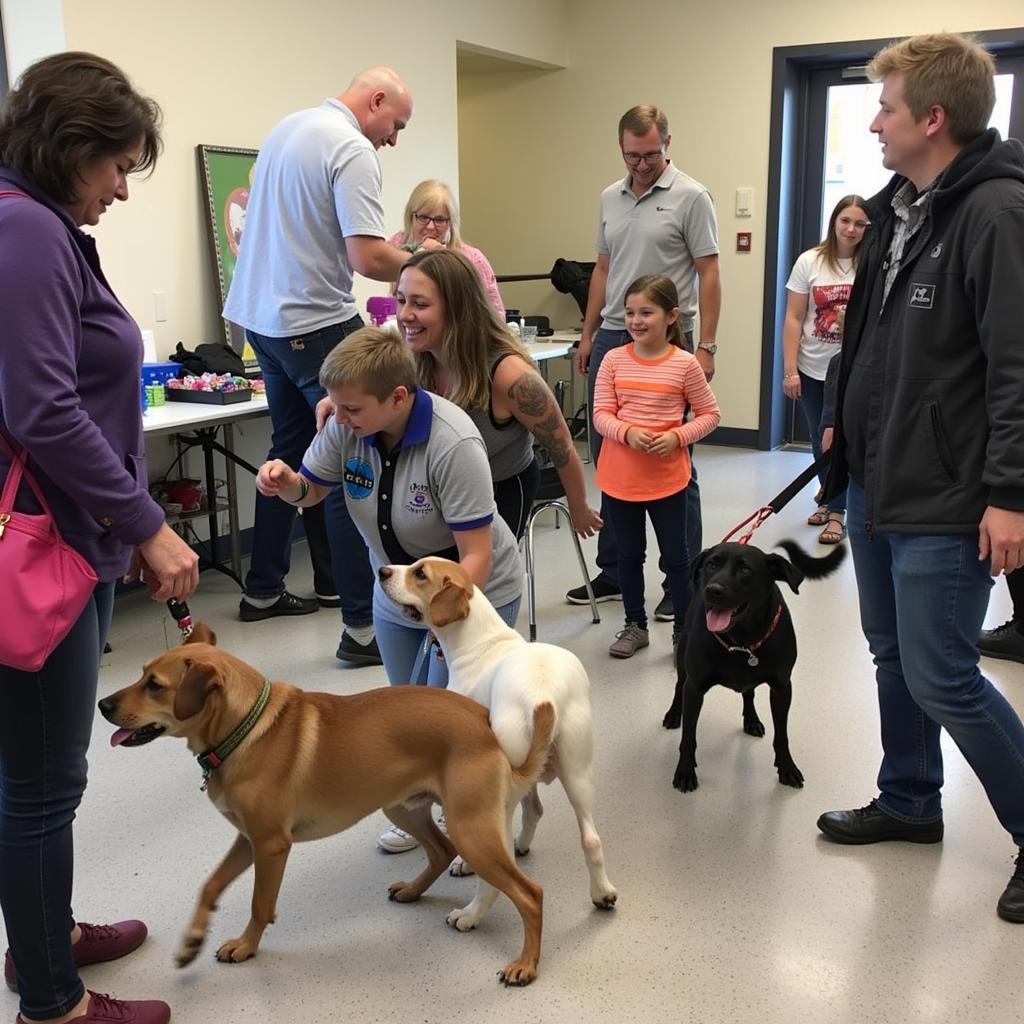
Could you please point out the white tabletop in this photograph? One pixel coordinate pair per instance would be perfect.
(174, 417)
(571, 337)
(548, 348)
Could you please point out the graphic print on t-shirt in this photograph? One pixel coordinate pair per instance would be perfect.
(358, 478)
(830, 301)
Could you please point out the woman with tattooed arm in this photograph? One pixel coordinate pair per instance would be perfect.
(465, 353)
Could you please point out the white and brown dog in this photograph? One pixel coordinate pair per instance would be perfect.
(491, 663)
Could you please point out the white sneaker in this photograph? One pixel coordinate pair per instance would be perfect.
(442, 824)
(395, 840)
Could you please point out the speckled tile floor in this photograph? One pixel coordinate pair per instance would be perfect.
(732, 909)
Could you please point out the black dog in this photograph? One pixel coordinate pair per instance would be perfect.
(739, 633)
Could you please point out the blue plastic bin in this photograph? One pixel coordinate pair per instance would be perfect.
(159, 373)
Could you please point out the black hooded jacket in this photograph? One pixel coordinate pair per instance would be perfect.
(941, 364)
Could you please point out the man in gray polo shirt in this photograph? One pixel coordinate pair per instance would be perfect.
(656, 220)
(314, 218)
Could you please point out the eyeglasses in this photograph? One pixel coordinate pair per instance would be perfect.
(634, 158)
(423, 220)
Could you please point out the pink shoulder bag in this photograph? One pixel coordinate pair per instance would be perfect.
(45, 582)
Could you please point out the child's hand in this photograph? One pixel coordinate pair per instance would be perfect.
(826, 438)
(275, 478)
(639, 439)
(664, 443)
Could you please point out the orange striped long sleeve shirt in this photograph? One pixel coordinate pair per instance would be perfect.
(652, 394)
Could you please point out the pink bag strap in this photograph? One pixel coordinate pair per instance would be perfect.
(18, 459)
(14, 475)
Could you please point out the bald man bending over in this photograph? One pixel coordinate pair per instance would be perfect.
(314, 218)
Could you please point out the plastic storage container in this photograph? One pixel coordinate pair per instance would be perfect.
(159, 373)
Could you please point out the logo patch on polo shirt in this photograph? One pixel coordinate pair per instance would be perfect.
(922, 296)
(358, 477)
(419, 502)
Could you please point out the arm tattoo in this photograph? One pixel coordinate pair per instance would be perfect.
(531, 394)
(550, 435)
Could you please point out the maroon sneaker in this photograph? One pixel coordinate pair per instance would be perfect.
(99, 942)
(106, 1010)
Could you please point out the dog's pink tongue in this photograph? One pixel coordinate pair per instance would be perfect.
(718, 619)
(119, 737)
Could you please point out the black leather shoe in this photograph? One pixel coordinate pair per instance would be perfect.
(358, 654)
(1011, 904)
(1005, 641)
(286, 604)
(872, 825)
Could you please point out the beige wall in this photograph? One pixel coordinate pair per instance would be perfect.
(545, 141)
(225, 71)
(533, 146)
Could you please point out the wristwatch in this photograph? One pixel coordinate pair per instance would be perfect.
(710, 347)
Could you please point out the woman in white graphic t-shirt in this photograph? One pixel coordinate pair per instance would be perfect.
(818, 291)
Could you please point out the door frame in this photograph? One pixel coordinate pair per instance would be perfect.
(791, 129)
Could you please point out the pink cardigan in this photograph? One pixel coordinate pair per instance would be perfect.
(483, 267)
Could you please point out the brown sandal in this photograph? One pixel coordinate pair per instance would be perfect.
(835, 531)
(818, 518)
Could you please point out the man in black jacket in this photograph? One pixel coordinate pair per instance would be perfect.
(929, 433)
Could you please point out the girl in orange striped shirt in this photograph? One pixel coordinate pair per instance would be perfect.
(640, 400)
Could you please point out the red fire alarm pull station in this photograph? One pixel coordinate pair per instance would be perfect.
(743, 241)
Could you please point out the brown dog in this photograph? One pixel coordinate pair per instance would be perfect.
(313, 764)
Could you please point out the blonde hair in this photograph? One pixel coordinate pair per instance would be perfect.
(372, 360)
(946, 70)
(473, 335)
(431, 194)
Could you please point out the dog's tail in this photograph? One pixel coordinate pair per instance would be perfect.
(537, 757)
(814, 568)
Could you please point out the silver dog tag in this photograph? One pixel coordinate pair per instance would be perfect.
(752, 660)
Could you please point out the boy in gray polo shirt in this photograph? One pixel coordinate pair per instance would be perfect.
(416, 481)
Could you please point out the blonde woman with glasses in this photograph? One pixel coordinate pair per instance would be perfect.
(432, 212)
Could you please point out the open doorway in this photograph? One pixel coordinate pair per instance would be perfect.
(501, 100)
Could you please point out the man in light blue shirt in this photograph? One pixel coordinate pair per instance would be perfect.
(314, 219)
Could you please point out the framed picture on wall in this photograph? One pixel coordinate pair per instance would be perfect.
(226, 176)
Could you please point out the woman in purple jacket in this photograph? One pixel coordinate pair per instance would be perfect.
(70, 134)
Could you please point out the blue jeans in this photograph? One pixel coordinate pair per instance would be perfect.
(922, 602)
(291, 371)
(45, 723)
(667, 516)
(404, 651)
(607, 548)
(812, 401)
